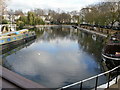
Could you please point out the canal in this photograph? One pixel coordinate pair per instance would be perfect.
(59, 56)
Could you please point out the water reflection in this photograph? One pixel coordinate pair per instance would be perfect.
(13, 51)
(58, 57)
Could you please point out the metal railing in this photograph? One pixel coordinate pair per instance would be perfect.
(80, 83)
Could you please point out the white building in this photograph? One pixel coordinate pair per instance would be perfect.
(116, 24)
(11, 27)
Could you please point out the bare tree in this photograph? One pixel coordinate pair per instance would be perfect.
(104, 13)
(39, 12)
(2, 9)
(3, 5)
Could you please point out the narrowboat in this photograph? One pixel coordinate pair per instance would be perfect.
(111, 51)
(12, 38)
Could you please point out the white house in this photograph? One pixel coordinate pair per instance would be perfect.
(11, 27)
(116, 24)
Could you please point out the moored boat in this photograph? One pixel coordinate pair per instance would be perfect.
(111, 51)
(9, 39)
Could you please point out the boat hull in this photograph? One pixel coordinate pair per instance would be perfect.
(112, 62)
(7, 46)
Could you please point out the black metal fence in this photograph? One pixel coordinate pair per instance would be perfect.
(113, 73)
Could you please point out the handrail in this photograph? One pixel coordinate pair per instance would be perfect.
(111, 57)
(79, 82)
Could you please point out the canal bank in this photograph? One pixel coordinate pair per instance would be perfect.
(115, 86)
(93, 32)
(112, 84)
(101, 29)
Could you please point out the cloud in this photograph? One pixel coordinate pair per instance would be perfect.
(67, 5)
(54, 70)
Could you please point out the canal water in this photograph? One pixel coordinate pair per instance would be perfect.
(57, 57)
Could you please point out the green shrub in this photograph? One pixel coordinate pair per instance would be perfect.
(4, 21)
(20, 24)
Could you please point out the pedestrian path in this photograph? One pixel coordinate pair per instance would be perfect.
(9, 79)
(112, 85)
(115, 86)
(93, 32)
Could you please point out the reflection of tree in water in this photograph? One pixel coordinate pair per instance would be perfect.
(52, 33)
(91, 46)
(5, 63)
(85, 40)
(61, 31)
(15, 49)
(38, 31)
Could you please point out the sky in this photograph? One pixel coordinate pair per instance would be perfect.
(65, 5)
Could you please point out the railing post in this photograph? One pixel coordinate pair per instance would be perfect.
(61, 89)
(96, 83)
(81, 85)
(109, 79)
(116, 76)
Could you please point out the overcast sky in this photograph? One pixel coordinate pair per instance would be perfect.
(66, 5)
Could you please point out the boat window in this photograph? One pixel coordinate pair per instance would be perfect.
(1, 41)
(8, 39)
(14, 38)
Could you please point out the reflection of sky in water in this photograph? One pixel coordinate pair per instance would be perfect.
(54, 63)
